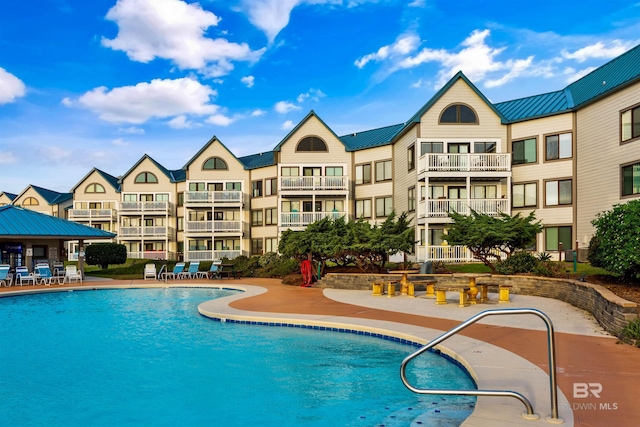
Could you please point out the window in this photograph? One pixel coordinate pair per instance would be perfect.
(271, 244)
(435, 235)
(485, 192)
(525, 195)
(484, 147)
(558, 146)
(363, 208)
(256, 188)
(30, 201)
(558, 192)
(334, 205)
(363, 174)
(458, 113)
(383, 171)
(271, 216)
(196, 186)
(311, 171)
(411, 157)
(270, 187)
(163, 197)
(214, 163)
(333, 171)
(94, 188)
(524, 151)
(290, 206)
(234, 186)
(555, 235)
(180, 223)
(146, 178)
(436, 192)
(256, 217)
(256, 246)
(630, 124)
(384, 206)
(311, 143)
(181, 199)
(129, 198)
(218, 216)
(458, 147)
(288, 171)
(411, 199)
(431, 147)
(457, 192)
(631, 179)
(214, 186)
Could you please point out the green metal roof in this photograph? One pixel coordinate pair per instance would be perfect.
(18, 222)
(260, 160)
(534, 106)
(52, 197)
(370, 138)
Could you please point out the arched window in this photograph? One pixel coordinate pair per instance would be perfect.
(311, 143)
(214, 163)
(146, 177)
(94, 188)
(30, 201)
(458, 113)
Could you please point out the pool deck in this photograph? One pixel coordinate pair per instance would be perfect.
(512, 357)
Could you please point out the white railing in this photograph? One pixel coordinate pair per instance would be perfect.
(302, 219)
(152, 255)
(442, 207)
(470, 162)
(145, 206)
(211, 226)
(211, 255)
(312, 183)
(154, 231)
(208, 197)
(76, 214)
(445, 253)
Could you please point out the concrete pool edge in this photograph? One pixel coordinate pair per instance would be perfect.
(491, 367)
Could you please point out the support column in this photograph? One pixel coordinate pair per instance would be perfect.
(81, 257)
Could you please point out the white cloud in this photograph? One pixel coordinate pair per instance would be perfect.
(56, 154)
(7, 157)
(174, 30)
(144, 101)
(573, 75)
(404, 44)
(283, 107)
(134, 130)
(120, 142)
(314, 94)
(220, 120)
(599, 51)
(258, 113)
(288, 125)
(248, 81)
(11, 87)
(181, 122)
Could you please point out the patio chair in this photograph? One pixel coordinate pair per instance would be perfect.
(175, 273)
(23, 275)
(212, 273)
(5, 277)
(150, 271)
(191, 272)
(44, 275)
(71, 273)
(58, 269)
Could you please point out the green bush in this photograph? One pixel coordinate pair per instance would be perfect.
(280, 268)
(519, 262)
(103, 254)
(631, 333)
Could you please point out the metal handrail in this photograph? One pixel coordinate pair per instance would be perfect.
(472, 320)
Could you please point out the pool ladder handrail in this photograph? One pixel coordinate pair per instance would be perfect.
(507, 311)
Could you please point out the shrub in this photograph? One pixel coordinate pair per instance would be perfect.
(631, 333)
(103, 254)
(519, 262)
(544, 256)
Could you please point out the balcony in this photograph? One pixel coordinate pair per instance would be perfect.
(440, 208)
(302, 219)
(92, 214)
(470, 162)
(208, 227)
(207, 255)
(313, 183)
(445, 253)
(144, 207)
(203, 198)
(164, 255)
(146, 231)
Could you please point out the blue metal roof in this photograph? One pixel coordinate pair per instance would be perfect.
(19, 222)
(370, 138)
(52, 197)
(260, 160)
(534, 106)
(9, 195)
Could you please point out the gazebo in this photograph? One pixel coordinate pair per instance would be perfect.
(27, 236)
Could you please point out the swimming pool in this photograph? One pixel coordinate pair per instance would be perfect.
(146, 357)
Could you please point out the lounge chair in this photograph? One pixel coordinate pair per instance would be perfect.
(44, 275)
(58, 269)
(23, 275)
(150, 271)
(5, 277)
(71, 273)
(191, 271)
(212, 273)
(177, 269)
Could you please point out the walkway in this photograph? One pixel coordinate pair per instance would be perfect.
(587, 357)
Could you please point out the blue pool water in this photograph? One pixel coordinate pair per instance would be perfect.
(146, 357)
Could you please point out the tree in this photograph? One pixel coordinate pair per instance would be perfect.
(615, 246)
(491, 238)
(103, 254)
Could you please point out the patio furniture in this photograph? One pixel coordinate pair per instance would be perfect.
(150, 271)
(45, 276)
(23, 275)
(58, 268)
(191, 272)
(5, 276)
(177, 269)
(71, 273)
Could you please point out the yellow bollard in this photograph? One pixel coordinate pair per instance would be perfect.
(391, 289)
(441, 296)
(378, 288)
(411, 290)
(464, 302)
(430, 290)
(504, 293)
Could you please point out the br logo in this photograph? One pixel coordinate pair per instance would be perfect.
(584, 390)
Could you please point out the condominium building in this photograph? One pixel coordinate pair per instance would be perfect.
(567, 155)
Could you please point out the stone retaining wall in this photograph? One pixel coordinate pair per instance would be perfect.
(611, 311)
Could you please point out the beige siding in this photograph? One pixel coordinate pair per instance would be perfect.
(336, 153)
(403, 178)
(235, 172)
(110, 194)
(164, 184)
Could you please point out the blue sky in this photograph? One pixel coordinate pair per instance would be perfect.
(100, 83)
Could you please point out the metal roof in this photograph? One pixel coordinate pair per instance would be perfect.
(370, 138)
(17, 222)
(534, 106)
(255, 161)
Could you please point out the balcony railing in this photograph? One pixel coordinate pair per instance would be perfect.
(314, 183)
(152, 255)
(89, 214)
(444, 253)
(302, 219)
(476, 162)
(159, 207)
(213, 226)
(152, 231)
(441, 208)
(205, 255)
(209, 197)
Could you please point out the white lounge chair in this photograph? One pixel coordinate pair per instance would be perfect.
(71, 273)
(5, 277)
(44, 275)
(150, 271)
(23, 276)
(191, 272)
(177, 270)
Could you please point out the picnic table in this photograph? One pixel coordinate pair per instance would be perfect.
(229, 270)
(406, 287)
(473, 287)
